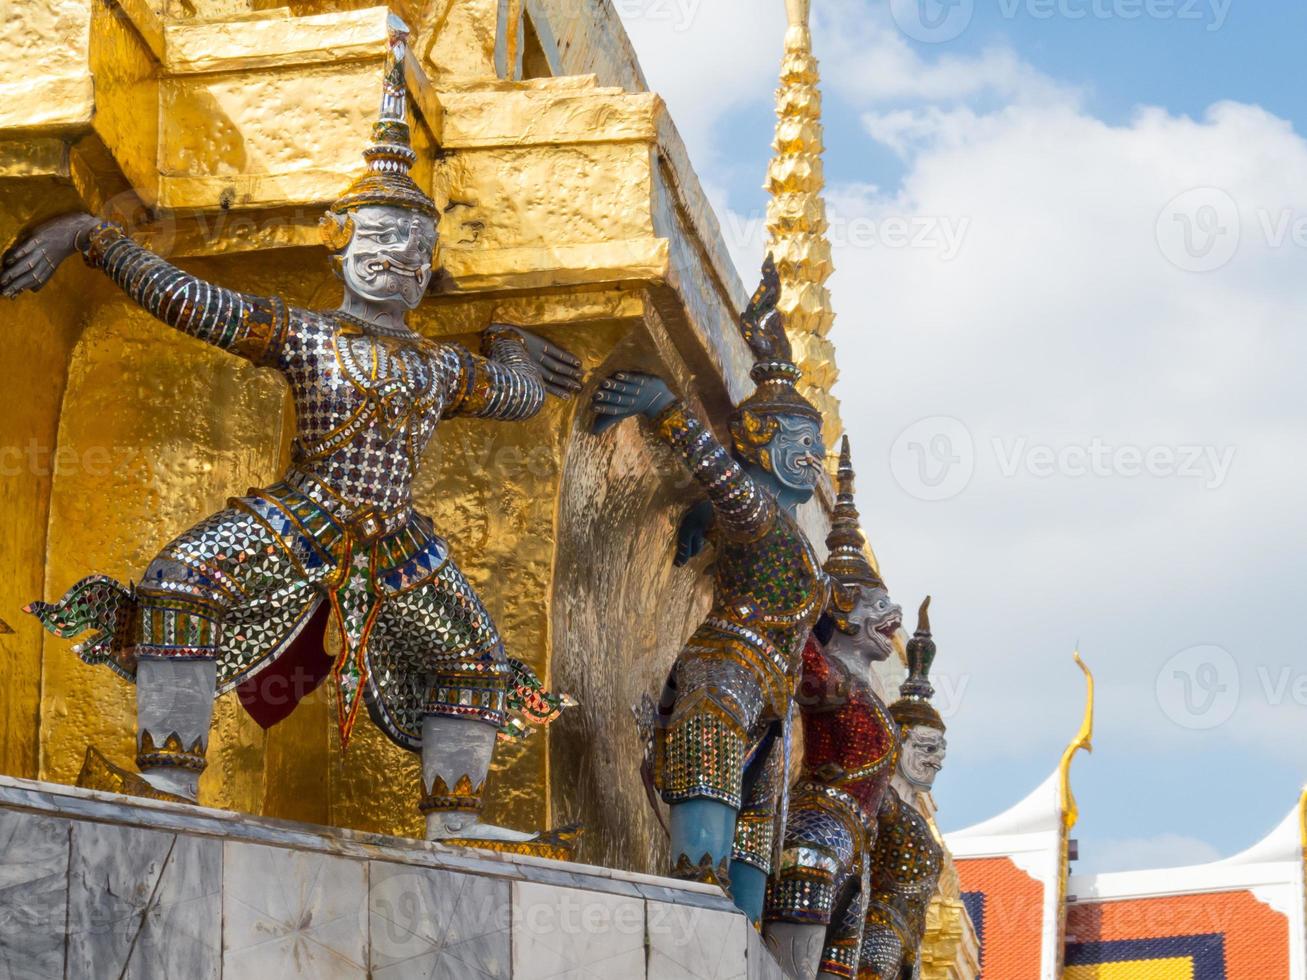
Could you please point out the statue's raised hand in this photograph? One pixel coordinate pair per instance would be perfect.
(560, 370)
(692, 535)
(33, 260)
(627, 393)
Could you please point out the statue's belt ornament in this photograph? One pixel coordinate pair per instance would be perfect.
(287, 534)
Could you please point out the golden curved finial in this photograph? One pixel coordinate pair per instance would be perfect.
(1302, 822)
(1084, 740)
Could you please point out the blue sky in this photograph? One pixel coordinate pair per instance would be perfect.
(1101, 320)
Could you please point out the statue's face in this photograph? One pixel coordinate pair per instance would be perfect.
(388, 261)
(872, 623)
(923, 755)
(796, 453)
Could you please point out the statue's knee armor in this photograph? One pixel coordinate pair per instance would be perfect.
(179, 613)
(435, 651)
(843, 947)
(473, 689)
(185, 593)
(701, 754)
(822, 852)
(883, 946)
(764, 776)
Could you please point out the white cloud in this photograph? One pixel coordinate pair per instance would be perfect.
(868, 60)
(1147, 853)
(708, 59)
(1067, 320)
(1062, 323)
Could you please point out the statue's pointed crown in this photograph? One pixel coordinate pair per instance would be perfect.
(913, 706)
(774, 371)
(390, 156)
(848, 564)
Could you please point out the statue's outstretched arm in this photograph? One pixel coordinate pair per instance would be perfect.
(740, 506)
(252, 327)
(510, 381)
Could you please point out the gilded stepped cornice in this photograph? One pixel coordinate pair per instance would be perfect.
(797, 222)
(236, 125)
(566, 203)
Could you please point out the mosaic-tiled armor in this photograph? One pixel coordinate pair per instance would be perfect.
(245, 596)
(908, 858)
(850, 749)
(906, 864)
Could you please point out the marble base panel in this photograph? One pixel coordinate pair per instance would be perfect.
(94, 885)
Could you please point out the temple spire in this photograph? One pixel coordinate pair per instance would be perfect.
(796, 219)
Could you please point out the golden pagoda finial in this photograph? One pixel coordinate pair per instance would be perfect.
(1084, 740)
(796, 220)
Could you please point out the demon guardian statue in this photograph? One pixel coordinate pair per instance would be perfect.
(248, 592)
(817, 898)
(720, 731)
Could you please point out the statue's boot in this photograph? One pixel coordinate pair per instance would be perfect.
(456, 756)
(702, 834)
(174, 706)
(797, 947)
(558, 844)
(99, 773)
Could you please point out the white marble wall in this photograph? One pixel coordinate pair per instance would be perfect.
(94, 886)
